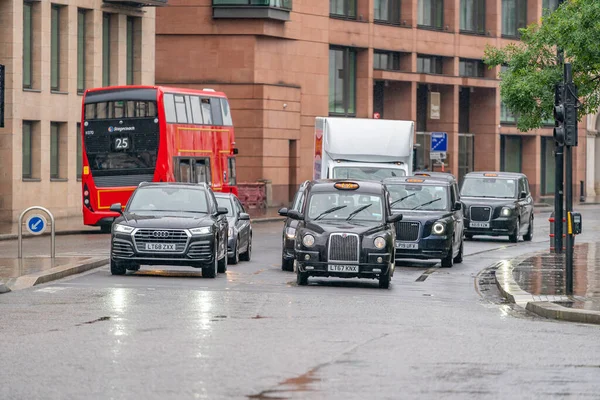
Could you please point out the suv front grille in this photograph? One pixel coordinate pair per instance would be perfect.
(201, 251)
(480, 213)
(407, 231)
(177, 237)
(121, 249)
(343, 247)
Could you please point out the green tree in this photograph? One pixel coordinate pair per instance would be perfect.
(527, 84)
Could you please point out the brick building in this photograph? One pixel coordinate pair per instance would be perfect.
(52, 52)
(283, 63)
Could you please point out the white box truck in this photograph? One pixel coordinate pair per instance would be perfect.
(360, 148)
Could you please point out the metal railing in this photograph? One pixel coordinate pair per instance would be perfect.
(284, 4)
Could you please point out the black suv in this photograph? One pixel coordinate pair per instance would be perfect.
(433, 222)
(497, 204)
(345, 229)
(170, 224)
(289, 229)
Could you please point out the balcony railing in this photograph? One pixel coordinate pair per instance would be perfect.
(269, 9)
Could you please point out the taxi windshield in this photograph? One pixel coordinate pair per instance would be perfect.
(489, 187)
(407, 196)
(367, 173)
(341, 205)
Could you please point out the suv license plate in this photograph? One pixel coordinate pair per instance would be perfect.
(342, 268)
(479, 224)
(160, 247)
(407, 246)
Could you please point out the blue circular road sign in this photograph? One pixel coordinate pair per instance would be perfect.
(36, 224)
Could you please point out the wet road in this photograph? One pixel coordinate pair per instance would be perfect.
(169, 334)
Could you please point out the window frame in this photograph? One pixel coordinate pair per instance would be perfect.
(55, 47)
(348, 9)
(106, 50)
(477, 18)
(349, 59)
(27, 132)
(130, 51)
(394, 12)
(503, 139)
(478, 65)
(520, 5)
(27, 79)
(434, 11)
(434, 60)
(393, 58)
(81, 49)
(55, 150)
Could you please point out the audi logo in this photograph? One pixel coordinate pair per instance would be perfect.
(160, 234)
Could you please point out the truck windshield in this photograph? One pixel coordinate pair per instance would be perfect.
(342, 206)
(367, 173)
(419, 197)
(489, 187)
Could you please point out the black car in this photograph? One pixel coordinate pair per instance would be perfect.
(497, 204)
(289, 229)
(170, 224)
(239, 245)
(346, 230)
(432, 224)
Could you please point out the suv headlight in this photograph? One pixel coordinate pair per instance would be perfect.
(123, 228)
(201, 231)
(506, 211)
(308, 240)
(379, 242)
(290, 232)
(439, 228)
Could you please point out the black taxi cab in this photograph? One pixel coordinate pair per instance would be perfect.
(432, 224)
(345, 230)
(497, 204)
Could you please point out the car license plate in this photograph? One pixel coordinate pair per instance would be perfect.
(160, 247)
(342, 268)
(479, 224)
(407, 246)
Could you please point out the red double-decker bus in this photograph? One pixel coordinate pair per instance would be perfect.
(134, 134)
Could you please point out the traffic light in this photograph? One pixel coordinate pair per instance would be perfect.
(559, 114)
(571, 99)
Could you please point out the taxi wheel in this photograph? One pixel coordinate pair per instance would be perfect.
(287, 265)
(468, 236)
(117, 268)
(384, 280)
(301, 278)
(447, 262)
(529, 235)
(459, 257)
(514, 238)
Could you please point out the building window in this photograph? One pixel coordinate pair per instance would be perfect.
(54, 150)
(81, 50)
(510, 153)
(389, 60)
(514, 17)
(343, 8)
(55, 48)
(429, 64)
(130, 54)
(431, 14)
(506, 116)
(79, 151)
(548, 166)
(106, 50)
(549, 6)
(472, 16)
(387, 11)
(27, 45)
(471, 68)
(27, 147)
(342, 81)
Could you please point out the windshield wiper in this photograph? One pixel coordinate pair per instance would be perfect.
(403, 198)
(425, 204)
(359, 209)
(329, 211)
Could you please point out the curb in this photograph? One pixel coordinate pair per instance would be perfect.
(27, 281)
(4, 288)
(544, 306)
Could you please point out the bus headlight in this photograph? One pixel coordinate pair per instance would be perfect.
(201, 231)
(308, 240)
(439, 228)
(379, 242)
(123, 228)
(290, 232)
(506, 212)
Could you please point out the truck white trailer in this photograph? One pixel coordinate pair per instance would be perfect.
(360, 148)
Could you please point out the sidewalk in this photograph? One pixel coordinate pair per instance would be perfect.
(74, 225)
(537, 283)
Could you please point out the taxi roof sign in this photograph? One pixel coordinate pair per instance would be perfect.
(346, 185)
(413, 180)
(490, 174)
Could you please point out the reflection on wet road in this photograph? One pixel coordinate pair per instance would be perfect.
(165, 333)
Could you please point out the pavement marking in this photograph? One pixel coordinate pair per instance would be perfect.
(426, 274)
(51, 289)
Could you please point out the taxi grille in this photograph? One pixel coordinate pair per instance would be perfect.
(343, 247)
(407, 231)
(480, 213)
(178, 237)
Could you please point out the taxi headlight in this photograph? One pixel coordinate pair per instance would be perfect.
(123, 228)
(379, 242)
(308, 240)
(201, 231)
(506, 212)
(439, 228)
(290, 232)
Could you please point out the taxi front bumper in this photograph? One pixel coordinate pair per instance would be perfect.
(376, 264)
(428, 248)
(500, 226)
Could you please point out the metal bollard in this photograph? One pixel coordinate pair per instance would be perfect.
(581, 192)
(564, 240)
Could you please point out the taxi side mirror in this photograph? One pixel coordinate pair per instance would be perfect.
(116, 208)
(293, 214)
(523, 195)
(457, 206)
(394, 218)
(283, 212)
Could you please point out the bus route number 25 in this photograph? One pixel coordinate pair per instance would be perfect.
(121, 143)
